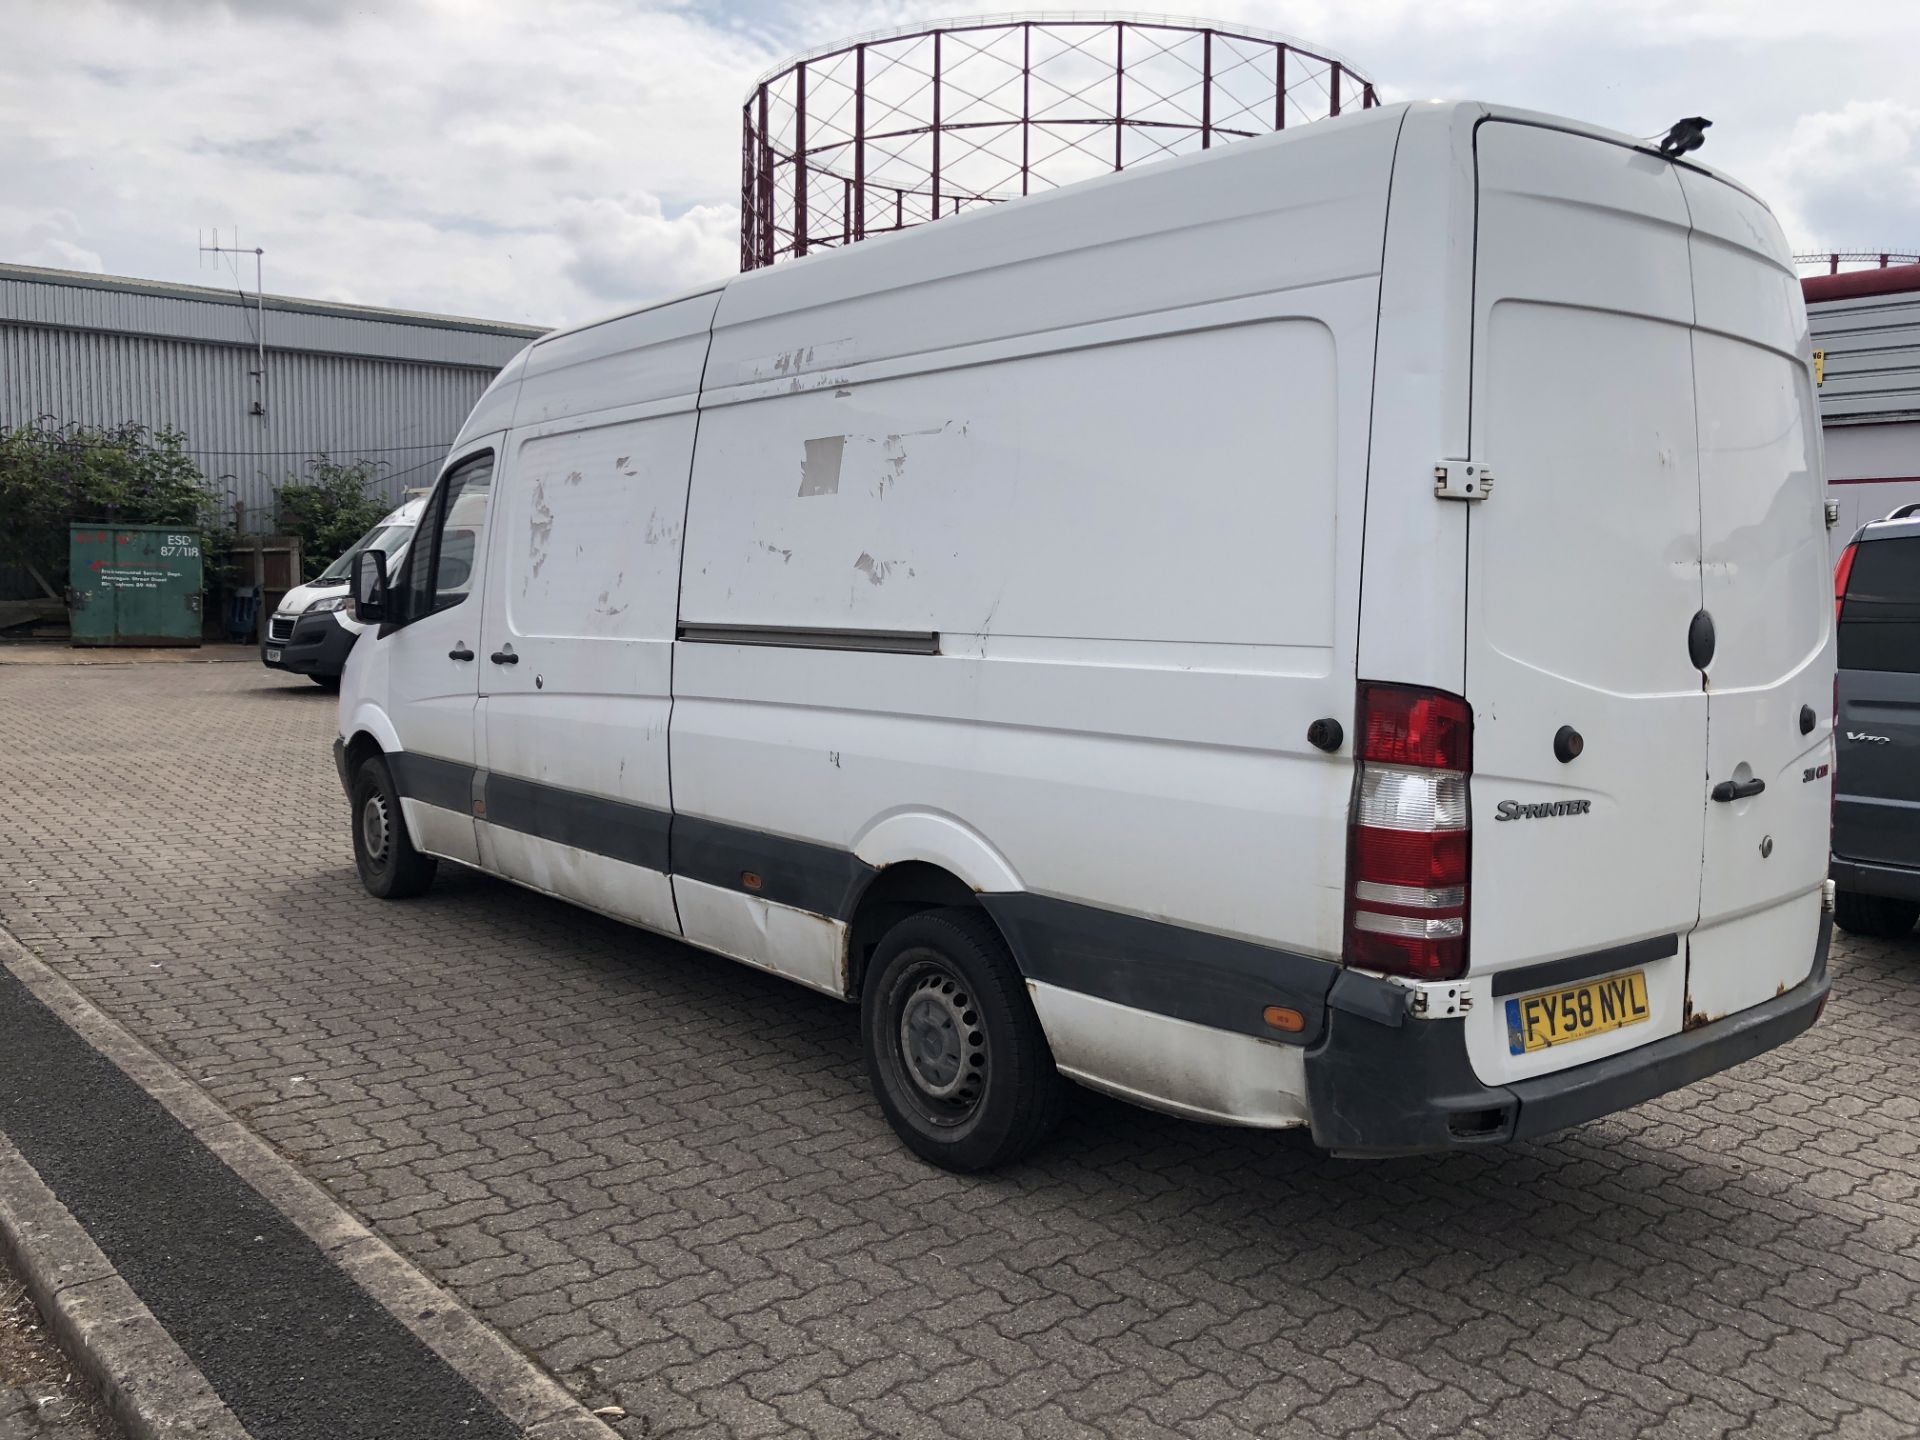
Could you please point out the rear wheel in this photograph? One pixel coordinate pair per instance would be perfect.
(389, 865)
(954, 1051)
(1874, 915)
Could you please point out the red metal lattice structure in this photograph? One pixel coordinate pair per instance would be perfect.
(1834, 259)
(895, 129)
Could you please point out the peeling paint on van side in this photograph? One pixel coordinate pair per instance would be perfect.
(820, 465)
(876, 571)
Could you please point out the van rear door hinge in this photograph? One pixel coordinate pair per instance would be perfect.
(1462, 480)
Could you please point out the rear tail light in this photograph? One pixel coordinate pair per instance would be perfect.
(1407, 853)
(1840, 574)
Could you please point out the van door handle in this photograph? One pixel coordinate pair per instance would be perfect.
(504, 657)
(459, 652)
(1729, 790)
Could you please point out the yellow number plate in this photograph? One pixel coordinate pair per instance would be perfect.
(1553, 1017)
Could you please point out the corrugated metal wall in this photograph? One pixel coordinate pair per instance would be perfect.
(403, 415)
(345, 381)
(1873, 358)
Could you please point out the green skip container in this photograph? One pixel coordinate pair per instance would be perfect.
(133, 585)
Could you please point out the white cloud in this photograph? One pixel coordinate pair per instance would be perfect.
(547, 162)
(616, 247)
(51, 238)
(1852, 176)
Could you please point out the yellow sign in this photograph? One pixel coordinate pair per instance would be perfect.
(1819, 367)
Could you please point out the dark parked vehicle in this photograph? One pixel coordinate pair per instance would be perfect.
(1876, 812)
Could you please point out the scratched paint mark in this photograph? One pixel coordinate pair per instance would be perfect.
(621, 463)
(786, 555)
(539, 527)
(893, 455)
(573, 477)
(820, 465)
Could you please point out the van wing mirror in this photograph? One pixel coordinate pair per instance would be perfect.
(370, 587)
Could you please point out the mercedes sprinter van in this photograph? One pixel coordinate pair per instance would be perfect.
(1328, 632)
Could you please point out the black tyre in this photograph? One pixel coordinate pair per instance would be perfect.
(326, 682)
(389, 865)
(954, 1051)
(1874, 915)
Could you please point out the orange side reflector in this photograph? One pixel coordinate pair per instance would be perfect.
(1281, 1018)
(750, 879)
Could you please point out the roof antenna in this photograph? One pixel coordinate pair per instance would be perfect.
(228, 253)
(1688, 134)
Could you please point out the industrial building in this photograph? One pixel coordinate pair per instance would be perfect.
(1866, 332)
(259, 385)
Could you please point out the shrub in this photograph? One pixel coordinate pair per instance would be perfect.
(54, 474)
(330, 509)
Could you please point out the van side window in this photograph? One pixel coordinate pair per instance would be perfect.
(450, 540)
(1880, 622)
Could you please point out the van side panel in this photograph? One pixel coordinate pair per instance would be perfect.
(1161, 489)
(588, 516)
(1110, 475)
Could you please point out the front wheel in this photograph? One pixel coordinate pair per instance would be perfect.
(1873, 915)
(326, 682)
(954, 1051)
(389, 865)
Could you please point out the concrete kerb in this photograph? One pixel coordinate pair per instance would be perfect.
(149, 1385)
(53, 1259)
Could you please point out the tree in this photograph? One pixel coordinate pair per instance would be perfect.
(54, 474)
(330, 509)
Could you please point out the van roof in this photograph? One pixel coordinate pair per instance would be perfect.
(1379, 115)
(1889, 529)
(407, 514)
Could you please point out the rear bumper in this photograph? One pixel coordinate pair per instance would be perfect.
(1895, 882)
(1380, 1088)
(318, 646)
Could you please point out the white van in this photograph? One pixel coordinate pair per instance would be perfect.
(312, 628)
(1328, 632)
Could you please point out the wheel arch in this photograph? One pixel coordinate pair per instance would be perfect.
(370, 723)
(905, 888)
(922, 860)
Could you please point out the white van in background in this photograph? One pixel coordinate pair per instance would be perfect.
(1330, 632)
(312, 628)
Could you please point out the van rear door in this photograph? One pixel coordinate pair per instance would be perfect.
(1765, 582)
(1583, 580)
(1648, 570)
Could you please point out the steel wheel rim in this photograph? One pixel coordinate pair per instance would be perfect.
(374, 827)
(942, 1043)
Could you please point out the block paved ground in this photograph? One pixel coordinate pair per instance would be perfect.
(661, 1173)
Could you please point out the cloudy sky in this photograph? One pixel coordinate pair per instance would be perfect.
(547, 160)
